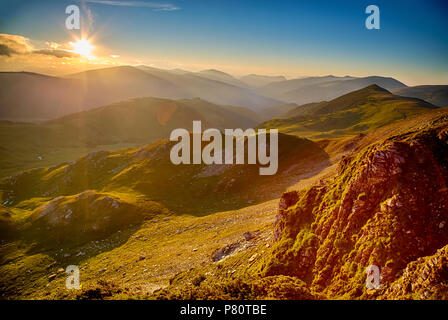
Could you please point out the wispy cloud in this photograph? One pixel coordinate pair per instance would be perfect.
(88, 15)
(153, 5)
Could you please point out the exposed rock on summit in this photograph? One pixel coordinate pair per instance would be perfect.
(387, 206)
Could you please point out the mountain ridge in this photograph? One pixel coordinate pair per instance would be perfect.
(316, 89)
(358, 111)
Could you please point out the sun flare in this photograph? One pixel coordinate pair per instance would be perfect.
(83, 47)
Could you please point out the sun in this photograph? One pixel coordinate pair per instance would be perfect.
(83, 47)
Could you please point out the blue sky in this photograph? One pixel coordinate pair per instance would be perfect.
(295, 38)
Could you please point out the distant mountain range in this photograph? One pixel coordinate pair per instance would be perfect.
(29, 96)
(437, 95)
(220, 76)
(316, 89)
(255, 80)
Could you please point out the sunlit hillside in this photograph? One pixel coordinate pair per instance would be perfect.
(356, 112)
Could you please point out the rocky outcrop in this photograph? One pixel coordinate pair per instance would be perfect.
(425, 278)
(387, 206)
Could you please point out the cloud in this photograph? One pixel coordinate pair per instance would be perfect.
(58, 53)
(153, 5)
(52, 45)
(5, 50)
(13, 44)
(18, 53)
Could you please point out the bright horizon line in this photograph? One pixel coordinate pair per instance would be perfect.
(235, 75)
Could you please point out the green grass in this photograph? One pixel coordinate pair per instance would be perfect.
(359, 111)
(168, 244)
(149, 173)
(134, 223)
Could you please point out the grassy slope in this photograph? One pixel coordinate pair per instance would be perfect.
(353, 113)
(141, 258)
(170, 244)
(148, 171)
(149, 255)
(135, 266)
(272, 264)
(143, 183)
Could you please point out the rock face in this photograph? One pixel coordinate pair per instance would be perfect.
(425, 278)
(223, 252)
(387, 206)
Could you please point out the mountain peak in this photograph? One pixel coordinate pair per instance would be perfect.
(375, 87)
(214, 71)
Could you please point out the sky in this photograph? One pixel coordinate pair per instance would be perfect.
(290, 38)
